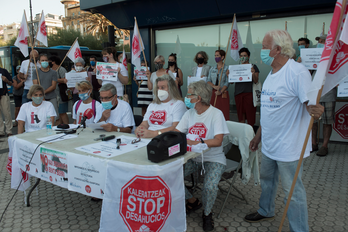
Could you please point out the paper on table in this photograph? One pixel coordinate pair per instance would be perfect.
(74, 78)
(57, 138)
(96, 126)
(195, 79)
(240, 73)
(71, 126)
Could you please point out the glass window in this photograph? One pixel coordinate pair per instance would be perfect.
(73, 14)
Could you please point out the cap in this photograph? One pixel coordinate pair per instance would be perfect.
(18, 67)
(321, 37)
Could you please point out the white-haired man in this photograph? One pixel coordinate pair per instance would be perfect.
(285, 118)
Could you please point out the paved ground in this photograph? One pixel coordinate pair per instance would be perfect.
(57, 209)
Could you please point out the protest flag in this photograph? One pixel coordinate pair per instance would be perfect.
(41, 34)
(74, 51)
(137, 44)
(124, 59)
(22, 39)
(236, 40)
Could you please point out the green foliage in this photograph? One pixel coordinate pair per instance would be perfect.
(10, 42)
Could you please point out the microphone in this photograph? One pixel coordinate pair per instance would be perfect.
(88, 114)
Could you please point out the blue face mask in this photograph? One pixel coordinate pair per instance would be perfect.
(107, 105)
(84, 96)
(92, 63)
(189, 104)
(320, 45)
(37, 100)
(265, 56)
(301, 47)
(44, 64)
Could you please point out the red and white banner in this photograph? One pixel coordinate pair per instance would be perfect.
(124, 60)
(41, 30)
(333, 66)
(236, 41)
(22, 39)
(141, 198)
(137, 45)
(75, 51)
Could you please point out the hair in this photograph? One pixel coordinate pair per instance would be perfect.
(202, 89)
(110, 50)
(244, 50)
(43, 54)
(118, 54)
(205, 56)
(80, 60)
(175, 65)
(55, 59)
(34, 88)
(159, 57)
(108, 87)
(303, 39)
(173, 90)
(93, 57)
(282, 39)
(84, 85)
(221, 52)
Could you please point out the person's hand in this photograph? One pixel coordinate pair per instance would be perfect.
(254, 144)
(299, 60)
(106, 115)
(25, 77)
(216, 87)
(218, 92)
(315, 110)
(148, 73)
(252, 70)
(109, 127)
(3, 78)
(191, 142)
(87, 79)
(202, 76)
(65, 80)
(134, 78)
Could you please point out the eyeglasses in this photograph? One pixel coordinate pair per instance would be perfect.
(137, 140)
(106, 98)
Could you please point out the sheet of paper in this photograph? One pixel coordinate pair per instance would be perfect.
(140, 74)
(107, 71)
(108, 149)
(0, 81)
(240, 73)
(96, 126)
(195, 79)
(311, 57)
(74, 78)
(342, 90)
(71, 126)
(57, 138)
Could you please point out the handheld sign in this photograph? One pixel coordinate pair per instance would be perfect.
(311, 57)
(240, 73)
(107, 71)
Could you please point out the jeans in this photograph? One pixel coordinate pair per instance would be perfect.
(24, 96)
(269, 174)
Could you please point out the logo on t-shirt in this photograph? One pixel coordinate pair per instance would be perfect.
(198, 129)
(158, 117)
(34, 118)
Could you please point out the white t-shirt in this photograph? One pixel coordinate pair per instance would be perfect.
(121, 116)
(154, 77)
(35, 117)
(212, 122)
(81, 110)
(24, 67)
(284, 118)
(199, 71)
(161, 116)
(118, 84)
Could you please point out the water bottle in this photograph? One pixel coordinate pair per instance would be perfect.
(49, 126)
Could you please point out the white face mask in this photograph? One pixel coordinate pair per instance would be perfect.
(162, 94)
(78, 68)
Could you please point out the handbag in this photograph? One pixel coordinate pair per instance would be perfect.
(257, 93)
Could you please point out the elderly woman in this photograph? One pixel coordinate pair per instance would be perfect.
(220, 97)
(160, 71)
(33, 115)
(208, 123)
(84, 89)
(79, 67)
(202, 69)
(166, 110)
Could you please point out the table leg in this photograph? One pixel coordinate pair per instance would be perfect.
(31, 190)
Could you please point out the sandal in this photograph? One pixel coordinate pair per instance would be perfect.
(191, 207)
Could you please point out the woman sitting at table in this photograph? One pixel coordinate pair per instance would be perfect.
(84, 89)
(33, 115)
(207, 123)
(166, 110)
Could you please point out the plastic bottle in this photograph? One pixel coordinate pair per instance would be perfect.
(49, 126)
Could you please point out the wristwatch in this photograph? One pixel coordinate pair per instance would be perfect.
(159, 132)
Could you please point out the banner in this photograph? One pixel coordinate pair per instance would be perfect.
(22, 39)
(144, 198)
(107, 71)
(41, 30)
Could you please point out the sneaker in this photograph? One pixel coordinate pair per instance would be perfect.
(208, 222)
(314, 147)
(256, 217)
(323, 151)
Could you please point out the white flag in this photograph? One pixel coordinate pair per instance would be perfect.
(236, 41)
(137, 44)
(177, 46)
(41, 30)
(144, 198)
(75, 51)
(22, 39)
(124, 60)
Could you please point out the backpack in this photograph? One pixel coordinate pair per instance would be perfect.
(79, 103)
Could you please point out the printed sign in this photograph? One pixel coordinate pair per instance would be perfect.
(140, 74)
(107, 71)
(240, 73)
(311, 57)
(75, 77)
(342, 90)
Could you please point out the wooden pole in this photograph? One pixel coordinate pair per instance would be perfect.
(286, 25)
(223, 63)
(344, 3)
(323, 28)
(67, 53)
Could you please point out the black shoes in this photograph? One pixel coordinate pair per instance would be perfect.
(208, 222)
(256, 217)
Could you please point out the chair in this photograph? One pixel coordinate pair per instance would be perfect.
(240, 135)
(138, 119)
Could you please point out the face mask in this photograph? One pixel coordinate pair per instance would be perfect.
(189, 104)
(50, 64)
(78, 68)
(200, 60)
(107, 105)
(265, 56)
(105, 58)
(162, 95)
(92, 63)
(84, 96)
(158, 66)
(37, 100)
(243, 59)
(44, 64)
(301, 47)
(217, 59)
(320, 45)
(171, 63)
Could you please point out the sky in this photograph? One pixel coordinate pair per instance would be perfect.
(12, 10)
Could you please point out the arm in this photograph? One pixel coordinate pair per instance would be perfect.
(315, 110)
(181, 79)
(7, 79)
(215, 142)
(149, 83)
(52, 87)
(123, 77)
(143, 125)
(21, 126)
(151, 133)
(254, 143)
(110, 127)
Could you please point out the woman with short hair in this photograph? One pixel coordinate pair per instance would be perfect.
(160, 71)
(202, 69)
(33, 115)
(166, 110)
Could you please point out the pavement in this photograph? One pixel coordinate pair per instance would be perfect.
(57, 209)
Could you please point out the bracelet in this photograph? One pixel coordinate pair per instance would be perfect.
(202, 140)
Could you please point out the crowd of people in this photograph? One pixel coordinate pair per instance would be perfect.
(41, 94)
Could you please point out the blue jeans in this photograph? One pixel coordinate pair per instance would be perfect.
(24, 96)
(269, 174)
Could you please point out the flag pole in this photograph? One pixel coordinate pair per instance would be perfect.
(32, 48)
(286, 25)
(323, 28)
(223, 64)
(67, 53)
(344, 3)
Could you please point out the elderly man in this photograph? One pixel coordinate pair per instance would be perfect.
(26, 73)
(285, 118)
(116, 113)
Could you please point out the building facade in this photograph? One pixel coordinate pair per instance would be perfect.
(74, 17)
(10, 30)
